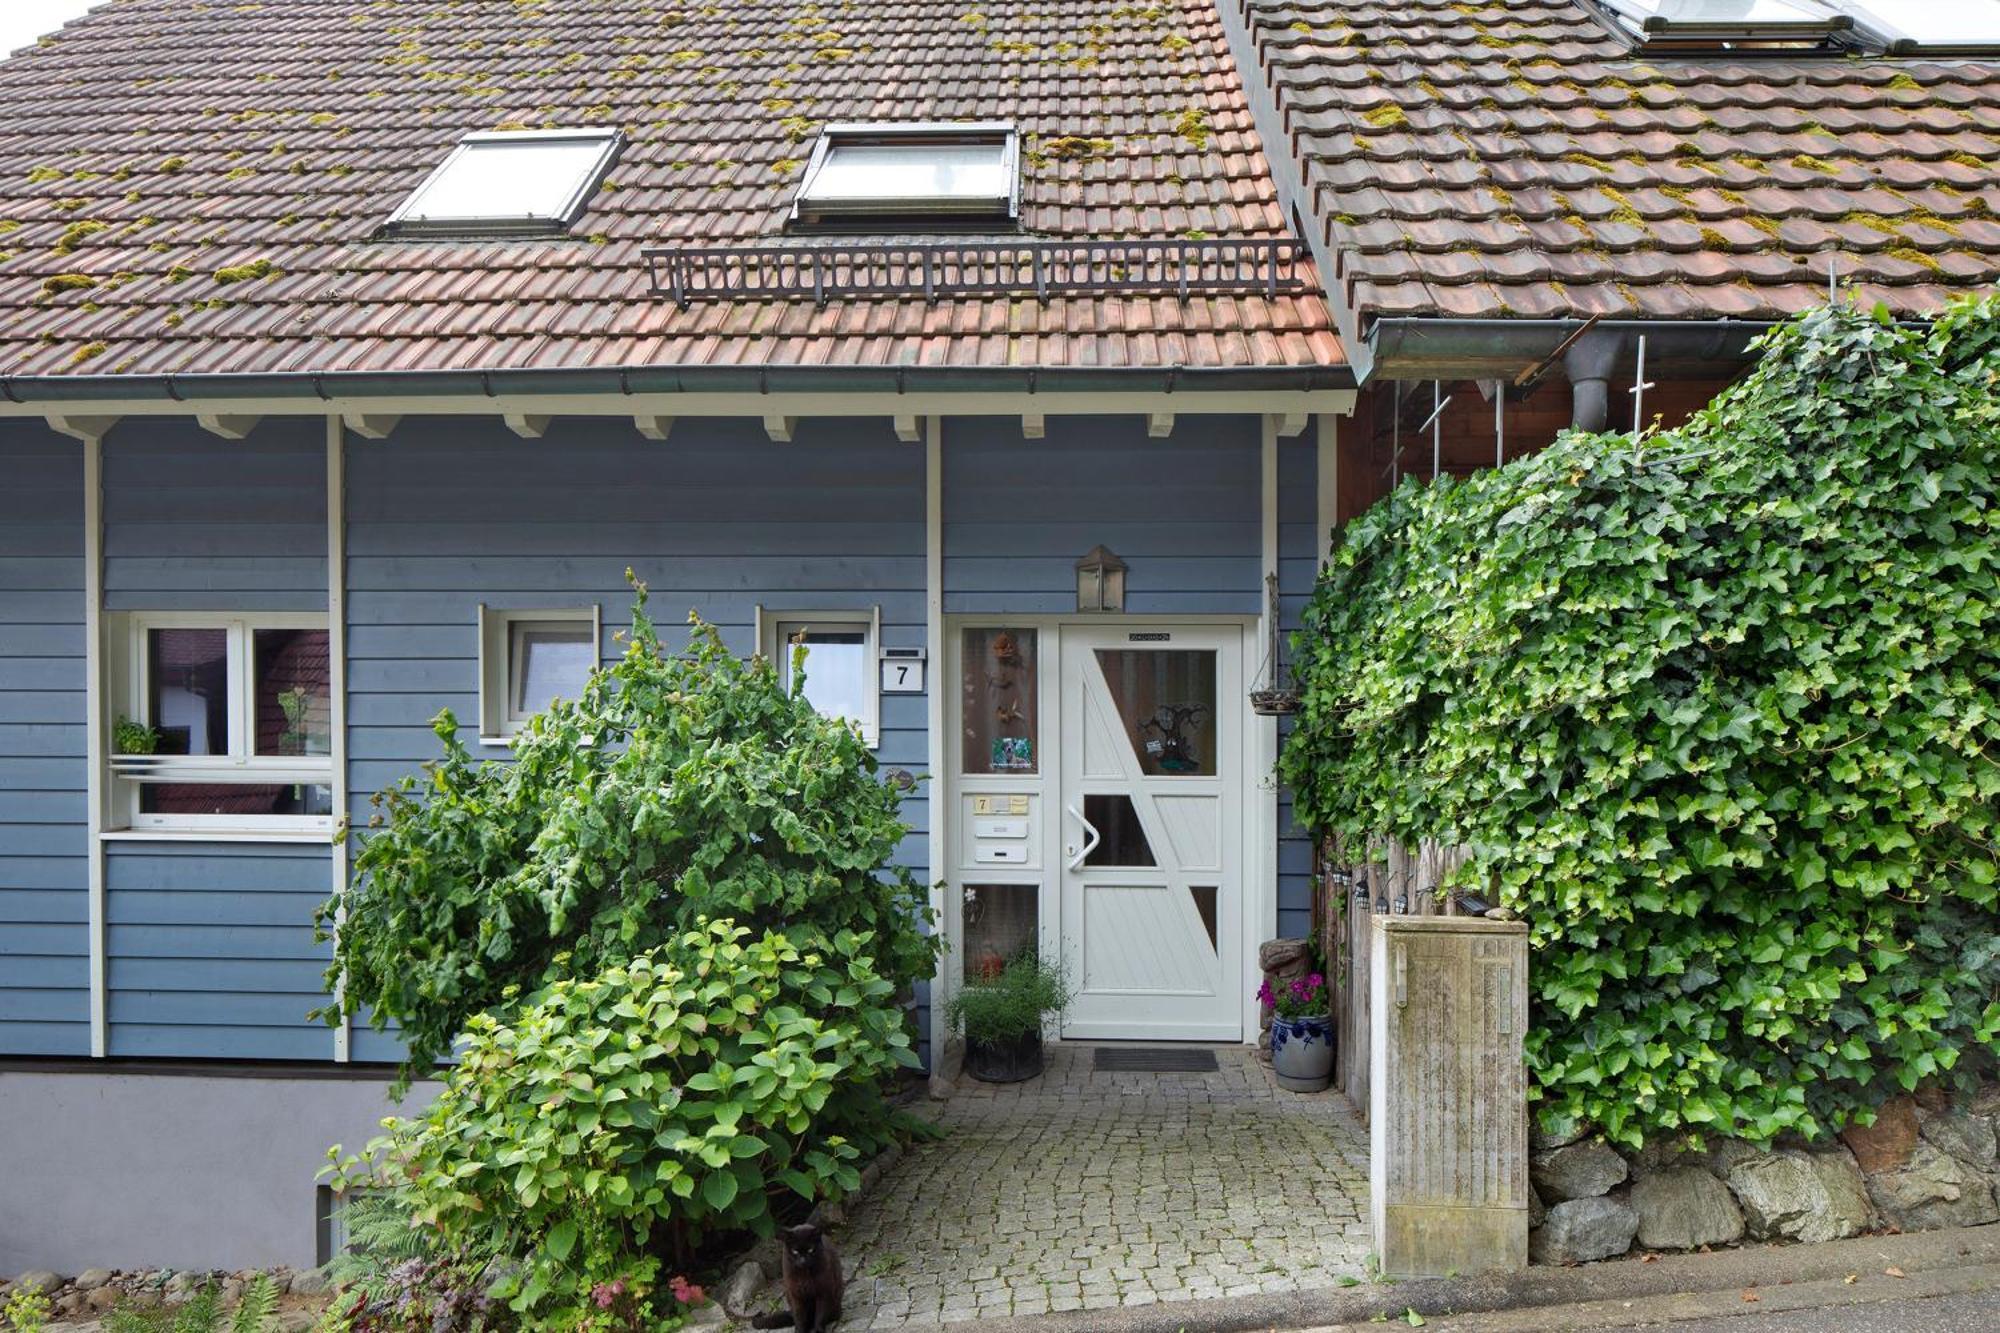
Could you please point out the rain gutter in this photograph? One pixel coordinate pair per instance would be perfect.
(358, 386)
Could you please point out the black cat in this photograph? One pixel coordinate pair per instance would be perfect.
(814, 1284)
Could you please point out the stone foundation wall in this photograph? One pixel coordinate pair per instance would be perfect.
(1924, 1164)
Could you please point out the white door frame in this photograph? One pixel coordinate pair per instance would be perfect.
(1257, 735)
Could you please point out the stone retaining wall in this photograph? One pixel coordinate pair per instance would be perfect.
(1923, 1164)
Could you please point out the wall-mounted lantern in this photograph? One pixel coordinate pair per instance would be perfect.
(1100, 581)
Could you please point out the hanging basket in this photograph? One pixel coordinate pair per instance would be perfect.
(1274, 703)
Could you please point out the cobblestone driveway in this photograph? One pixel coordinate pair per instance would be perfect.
(1081, 1191)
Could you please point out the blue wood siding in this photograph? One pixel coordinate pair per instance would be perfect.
(449, 514)
(1184, 512)
(209, 944)
(44, 845)
(196, 523)
(209, 948)
(211, 951)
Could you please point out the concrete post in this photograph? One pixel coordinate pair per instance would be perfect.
(1448, 1110)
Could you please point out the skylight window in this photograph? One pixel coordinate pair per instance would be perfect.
(1935, 25)
(920, 173)
(1731, 25)
(519, 181)
(1789, 26)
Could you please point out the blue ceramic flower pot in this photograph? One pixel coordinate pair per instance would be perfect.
(1302, 1052)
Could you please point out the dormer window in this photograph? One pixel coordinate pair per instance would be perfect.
(510, 182)
(924, 175)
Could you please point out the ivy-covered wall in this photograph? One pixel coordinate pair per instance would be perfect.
(1716, 713)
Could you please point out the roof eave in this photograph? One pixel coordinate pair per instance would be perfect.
(337, 390)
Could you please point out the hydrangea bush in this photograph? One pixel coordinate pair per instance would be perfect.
(677, 789)
(1717, 714)
(670, 949)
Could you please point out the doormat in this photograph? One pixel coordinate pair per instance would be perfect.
(1154, 1060)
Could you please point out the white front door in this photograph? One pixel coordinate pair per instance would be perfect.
(1150, 804)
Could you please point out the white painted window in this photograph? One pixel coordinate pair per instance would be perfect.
(527, 660)
(842, 662)
(510, 181)
(224, 722)
(911, 173)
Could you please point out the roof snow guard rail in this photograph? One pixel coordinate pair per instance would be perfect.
(939, 270)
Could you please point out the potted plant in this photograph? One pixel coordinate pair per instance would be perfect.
(134, 738)
(1301, 1032)
(1001, 1017)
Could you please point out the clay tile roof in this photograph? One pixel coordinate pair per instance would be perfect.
(1517, 159)
(156, 144)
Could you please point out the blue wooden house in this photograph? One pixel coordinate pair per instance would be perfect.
(1019, 357)
(346, 364)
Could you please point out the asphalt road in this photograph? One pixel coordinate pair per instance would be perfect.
(1972, 1313)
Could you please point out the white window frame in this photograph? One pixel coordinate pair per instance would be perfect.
(1002, 211)
(499, 721)
(770, 643)
(132, 773)
(1879, 17)
(405, 221)
(1817, 21)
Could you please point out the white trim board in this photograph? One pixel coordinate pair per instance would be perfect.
(336, 626)
(936, 845)
(95, 746)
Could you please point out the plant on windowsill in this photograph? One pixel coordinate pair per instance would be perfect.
(1001, 1017)
(1301, 1032)
(134, 738)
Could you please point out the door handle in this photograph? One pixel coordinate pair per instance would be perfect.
(1092, 836)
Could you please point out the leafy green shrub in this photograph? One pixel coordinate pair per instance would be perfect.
(1719, 720)
(674, 790)
(1012, 1004)
(601, 1129)
(26, 1310)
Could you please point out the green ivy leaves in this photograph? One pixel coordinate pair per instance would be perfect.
(1717, 716)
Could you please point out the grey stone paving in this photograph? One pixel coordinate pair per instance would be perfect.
(1082, 1191)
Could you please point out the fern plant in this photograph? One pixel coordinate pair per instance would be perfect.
(200, 1313)
(380, 1239)
(203, 1312)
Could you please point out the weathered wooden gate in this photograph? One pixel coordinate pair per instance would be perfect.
(1384, 877)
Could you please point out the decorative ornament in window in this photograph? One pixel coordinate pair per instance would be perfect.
(1000, 704)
